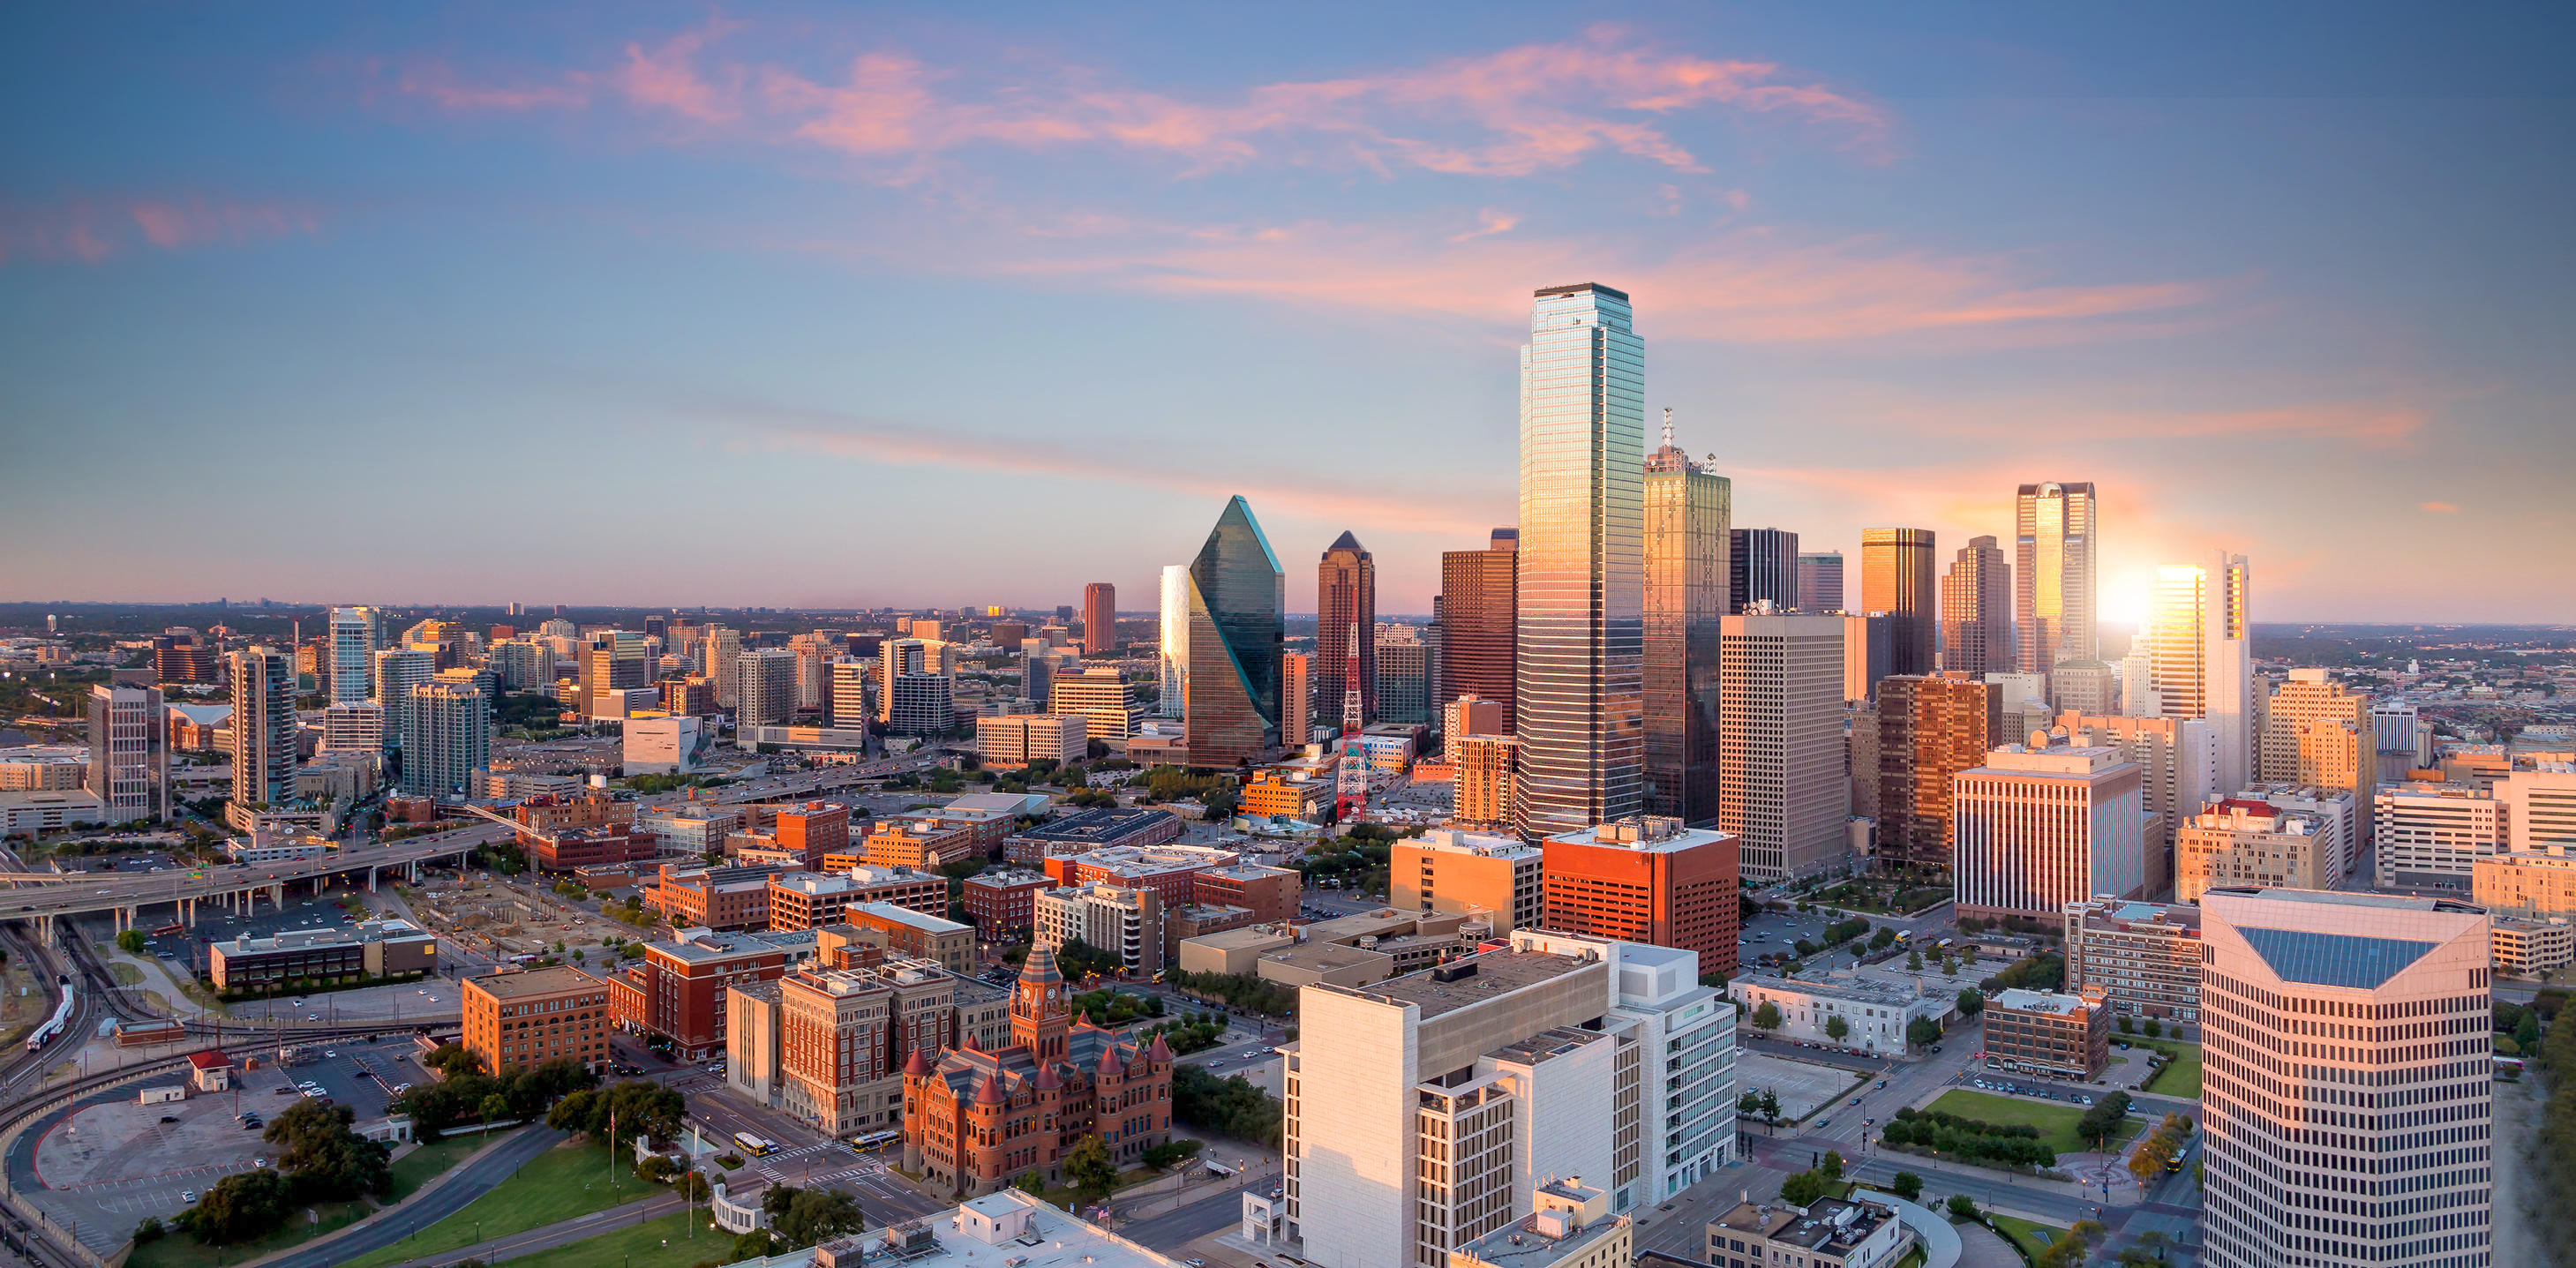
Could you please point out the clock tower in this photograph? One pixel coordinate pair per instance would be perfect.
(1040, 1005)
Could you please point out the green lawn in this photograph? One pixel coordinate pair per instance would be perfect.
(178, 1250)
(2056, 1123)
(561, 1184)
(2027, 1233)
(2182, 1078)
(432, 1160)
(642, 1246)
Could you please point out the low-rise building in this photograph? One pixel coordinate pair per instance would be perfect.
(1172, 871)
(1832, 1233)
(807, 900)
(517, 1020)
(677, 991)
(282, 847)
(2527, 883)
(654, 742)
(335, 953)
(924, 892)
(1087, 830)
(2144, 956)
(1233, 952)
(1002, 901)
(2431, 836)
(1874, 1014)
(1013, 741)
(917, 842)
(2237, 842)
(910, 934)
(1180, 924)
(1280, 796)
(1269, 893)
(2044, 1032)
(590, 847)
(1572, 1227)
(32, 813)
(1449, 870)
(2530, 948)
(720, 898)
(695, 827)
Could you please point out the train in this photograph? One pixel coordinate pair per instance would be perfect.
(62, 1017)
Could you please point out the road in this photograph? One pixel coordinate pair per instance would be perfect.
(468, 1182)
(83, 892)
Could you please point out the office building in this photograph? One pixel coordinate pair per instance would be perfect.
(1865, 655)
(2239, 842)
(1403, 676)
(1930, 728)
(1172, 648)
(1238, 600)
(2433, 836)
(1345, 625)
(914, 935)
(1580, 705)
(1101, 696)
(129, 752)
(2323, 1012)
(1482, 793)
(1976, 610)
(1086, 830)
(849, 692)
(1570, 1227)
(2540, 807)
(2313, 733)
(1296, 698)
(1169, 871)
(612, 661)
(1002, 901)
(1820, 581)
(764, 688)
(1761, 567)
(1447, 870)
(1424, 1112)
(311, 958)
(1648, 879)
(180, 654)
(2144, 957)
(2200, 656)
(921, 704)
(2178, 771)
(349, 672)
(1124, 921)
(1896, 570)
(844, 1034)
(2034, 829)
(2526, 884)
(1686, 569)
(725, 899)
(1472, 714)
(1014, 741)
(1286, 795)
(1099, 619)
(62, 767)
(1479, 620)
(2085, 686)
(1782, 790)
(2056, 586)
(264, 752)
(2532, 948)
(1827, 1233)
(516, 1021)
(448, 730)
(2056, 1036)
(676, 991)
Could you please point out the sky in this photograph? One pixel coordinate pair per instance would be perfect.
(863, 305)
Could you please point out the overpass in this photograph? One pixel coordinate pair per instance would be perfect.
(238, 886)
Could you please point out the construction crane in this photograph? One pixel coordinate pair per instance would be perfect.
(1350, 778)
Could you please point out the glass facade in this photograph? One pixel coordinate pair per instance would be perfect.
(1174, 653)
(1579, 695)
(1238, 599)
(2053, 576)
(1686, 569)
(1896, 569)
(1345, 606)
(356, 635)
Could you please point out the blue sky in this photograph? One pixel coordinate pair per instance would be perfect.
(856, 305)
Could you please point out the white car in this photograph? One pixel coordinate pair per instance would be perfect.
(188, 1195)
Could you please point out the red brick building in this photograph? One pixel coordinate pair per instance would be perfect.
(516, 1020)
(1269, 893)
(588, 847)
(1648, 880)
(1003, 900)
(677, 991)
(816, 827)
(723, 898)
(1171, 871)
(977, 1120)
(545, 816)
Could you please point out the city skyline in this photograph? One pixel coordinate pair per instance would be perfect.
(309, 261)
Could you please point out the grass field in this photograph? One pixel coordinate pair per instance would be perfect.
(178, 1250)
(641, 1246)
(2056, 1123)
(560, 1184)
(2027, 1233)
(2182, 1078)
(432, 1160)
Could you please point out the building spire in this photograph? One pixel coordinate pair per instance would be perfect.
(1668, 427)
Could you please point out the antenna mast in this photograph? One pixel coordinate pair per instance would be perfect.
(1350, 778)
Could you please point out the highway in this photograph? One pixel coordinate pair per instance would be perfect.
(41, 895)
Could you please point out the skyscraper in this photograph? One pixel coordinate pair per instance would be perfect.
(1579, 697)
(356, 634)
(1976, 619)
(1238, 600)
(450, 735)
(1820, 581)
(1296, 698)
(2200, 654)
(1345, 600)
(1099, 618)
(1896, 578)
(1173, 653)
(1762, 564)
(851, 696)
(1930, 728)
(613, 660)
(2315, 734)
(1403, 679)
(764, 688)
(398, 669)
(129, 752)
(1781, 785)
(2054, 585)
(1686, 544)
(1478, 622)
(263, 726)
(2349, 1099)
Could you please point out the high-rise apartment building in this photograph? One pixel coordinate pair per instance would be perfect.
(1345, 623)
(2034, 829)
(849, 691)
(1099, 618)
(1648, 879)
(521, 664)
(2313, 733)
(1930, 728)
(2348, 1080)
(1454, 872)
(1172, 651)
(1579, 706)
(1762, 565)
(1820, 581)
(2178, 773)
(1782, 789)
(1479, 619)
(1976, 610)
(1896, 570)
(1238, 601)
(1296, 698)
(448, 735)
(263, 726)
(129, 752)
(813, 652)
(2055, 586)
(398, 670)
(717, 650)
(1686, 543)
(1483, 765)
(764, 688)
(1102, 697)
(354, 726)
(1403, 676)
(356, 635)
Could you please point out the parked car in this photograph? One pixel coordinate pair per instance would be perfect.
(169, 1118)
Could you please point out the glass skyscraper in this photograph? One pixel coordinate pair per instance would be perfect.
(357, 634)
(1686, 538)
(1238, 601)
(1175, 651)
(2054, 549)
(1578, 672)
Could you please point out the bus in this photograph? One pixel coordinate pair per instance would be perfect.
(753, 1145)
(874, 1140)
(167, 930)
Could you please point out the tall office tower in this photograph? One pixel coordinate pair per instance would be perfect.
(1102, 697)
(1976, 610)
(2315, 734)
(1484, 773)
(2315, 1003)
(1479, 616)
(1403, 676)
(263, 726)
(921, 704)
(1647, 879)
(901, 658)
(1896, 578)
(1296, 698)
(1579, 694)
(1782, 791)
(450, 727)
(2034, 829)
(717, 649)
(1345, 599)
(1099, 618)
(851, 699)
(2138, 695)
(1930, 728)
(2178, 771)
(1238, 601)
(1762, 564)
(2054, 579)
(356, 635)
(1865, 653)
(2085, 686)
(1820, 581)
(2177, 648)
(1172, 652)
(398, 670)
(614, 660)
(2200, 653)
(129, 752)
(1038, 660)
(1687, 510)
(764, 688)
(654, 626)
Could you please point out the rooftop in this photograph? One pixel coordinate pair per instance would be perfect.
(1852, 989)
(1480, 844)
(1484, 977)
(330, 935)
(1250, 937)
(553, 981)
(2024, 1001)
(1097, 824)
(907, 916)
(1648, 834)
(1523, 1244)
(709, 947)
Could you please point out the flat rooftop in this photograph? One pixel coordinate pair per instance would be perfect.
(1520, 1244)
(2343, 898)
(553, 981)
(1497, 973)
(2022, 1001)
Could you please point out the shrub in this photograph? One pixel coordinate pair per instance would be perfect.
(1907, 1185)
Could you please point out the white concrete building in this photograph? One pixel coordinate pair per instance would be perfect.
(2540, 807)
(658, 743)
(2034, 829)
(1874, 1013)
(353, 726)
(2431, 836)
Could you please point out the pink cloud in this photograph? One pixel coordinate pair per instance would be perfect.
(2438, 508)
(95, 232)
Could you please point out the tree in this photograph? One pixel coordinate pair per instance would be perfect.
(2104, 1118)
(1832, 1165)
(1804, 1188)
(328, 1161)
(1970, 1002)
(1907, 1185)
(1913, 961)
(131, 941)
(756, 1244)
(1836, 1028)
(1767, 1017)
(1749, 1104)
(1090, 1167)
(1922, 1032)
(1962, 1207)
(1770, 1105)
(149, 1231)
(452, 1060)
(1883, 939)
(1030, 1182)
(2155, 1029)
(241, 1206)
(2127, 1026)
(496, 1107)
